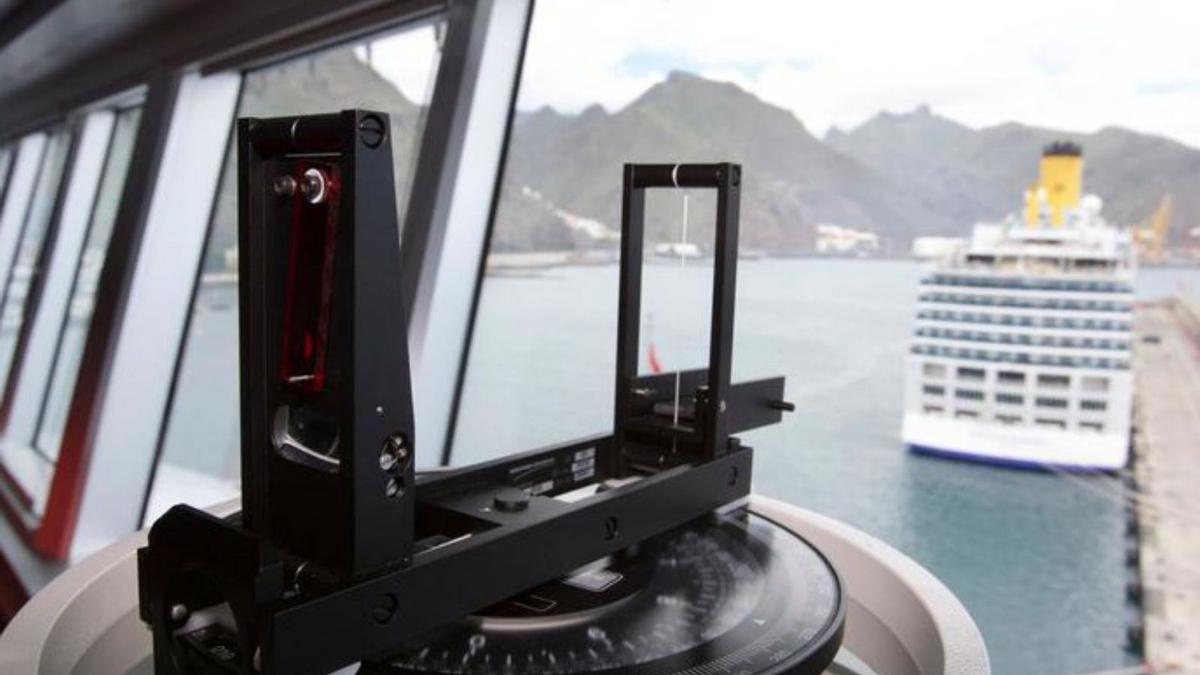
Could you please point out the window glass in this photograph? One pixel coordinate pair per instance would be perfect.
(29, 260)
(846, 171)
(392, 72)
(74, 331)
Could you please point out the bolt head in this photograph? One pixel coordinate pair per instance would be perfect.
(371, 131)
(387, 461)
(397, 445)
(284, 186)
(314, 186)
(179, 613)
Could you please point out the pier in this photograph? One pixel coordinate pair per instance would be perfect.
(1167, 473)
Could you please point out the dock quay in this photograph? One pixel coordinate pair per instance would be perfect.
(1167, 474)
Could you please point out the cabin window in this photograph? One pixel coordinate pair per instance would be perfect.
(933, 370)
(1010, 377)
(1010, 399)
(968, 394)
(392, 72)
(1090, 383)
(1093, 405)
(1050, 402)
(971, 373)
(1054, 381)
(934, 390)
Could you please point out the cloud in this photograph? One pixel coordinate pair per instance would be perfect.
(1069, 64)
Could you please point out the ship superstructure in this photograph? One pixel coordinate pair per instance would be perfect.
(1021, 350)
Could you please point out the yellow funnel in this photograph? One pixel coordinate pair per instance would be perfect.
(1060, 183)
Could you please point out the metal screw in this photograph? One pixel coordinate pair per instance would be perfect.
(313, 186)
(371, 131)
(733, 476)
(284, 186)
(398, 446)
(393, 488)
(610, 528)
(385, 609)
(179, 613)
(387, 461)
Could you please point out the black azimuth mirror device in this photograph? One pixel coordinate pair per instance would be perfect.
(627, 552)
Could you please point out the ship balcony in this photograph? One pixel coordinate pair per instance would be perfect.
(958, 352)
(1055, 306)
(1031, 331)
(1015, 287)
(1022, 316)
(1034, 350)
(1108, 343)
(989, 274)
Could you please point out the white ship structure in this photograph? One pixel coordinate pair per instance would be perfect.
(1022, 349)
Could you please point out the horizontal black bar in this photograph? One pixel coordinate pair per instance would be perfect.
(756, 404)
(683, 175)
(451, 582)
(310, 133)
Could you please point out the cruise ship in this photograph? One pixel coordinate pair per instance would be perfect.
(1021, 351)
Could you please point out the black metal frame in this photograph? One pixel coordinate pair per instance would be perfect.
(176, 38)
(156, 57)
(340, 554)
(454, 67)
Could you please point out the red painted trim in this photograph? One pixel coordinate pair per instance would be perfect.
(13, 594)
(53, 538)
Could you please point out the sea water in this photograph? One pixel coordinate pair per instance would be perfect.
(1036, 557)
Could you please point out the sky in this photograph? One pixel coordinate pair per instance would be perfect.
(1063, 64)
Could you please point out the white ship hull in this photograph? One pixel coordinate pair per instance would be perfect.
(1027, 447)
(1022, 349)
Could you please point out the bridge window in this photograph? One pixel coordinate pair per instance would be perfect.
(392, 72)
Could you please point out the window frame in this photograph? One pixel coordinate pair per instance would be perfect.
(234, 70)
(45, 534)
(16, 499)
(128, 105)
(472, 315)
(87, 509)
(452, 161)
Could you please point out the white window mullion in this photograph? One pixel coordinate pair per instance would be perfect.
(156, 312)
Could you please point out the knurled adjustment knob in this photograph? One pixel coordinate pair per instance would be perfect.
(511, 500)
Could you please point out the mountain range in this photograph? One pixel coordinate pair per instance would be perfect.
(899, 175)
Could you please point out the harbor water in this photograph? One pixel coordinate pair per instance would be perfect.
(1038, 558)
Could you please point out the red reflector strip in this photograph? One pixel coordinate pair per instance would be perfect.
(309, 298)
